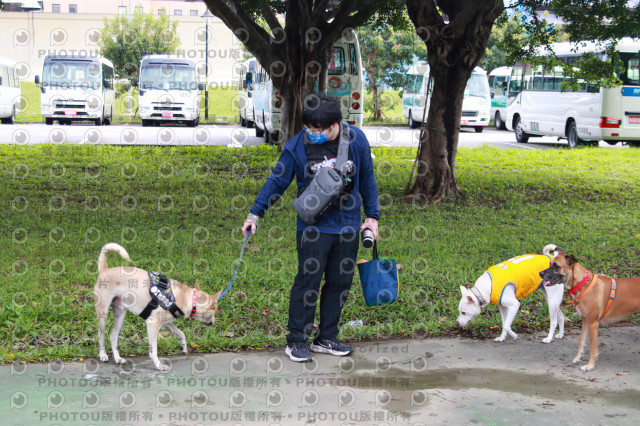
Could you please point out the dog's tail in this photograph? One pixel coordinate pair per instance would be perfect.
(104, 251)
(550, 249)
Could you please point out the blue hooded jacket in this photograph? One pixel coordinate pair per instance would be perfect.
(293, 162)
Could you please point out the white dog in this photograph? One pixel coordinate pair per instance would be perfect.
(503, 284)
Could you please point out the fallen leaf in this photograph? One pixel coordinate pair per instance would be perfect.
(194, 345)
(229, 334)
(253, 249)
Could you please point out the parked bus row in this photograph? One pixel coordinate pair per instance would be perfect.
(260, 105)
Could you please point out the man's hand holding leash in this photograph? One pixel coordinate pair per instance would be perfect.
(251, 222)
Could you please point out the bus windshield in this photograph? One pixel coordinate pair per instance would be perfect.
(72, 74)
(631, 75)
(477, 86)
(168, 77)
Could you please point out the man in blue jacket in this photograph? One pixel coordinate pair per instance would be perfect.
(330, 246)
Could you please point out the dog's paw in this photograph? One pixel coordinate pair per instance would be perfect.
(547, 340)
(104, 357)
(499, 339)
(587, 367)
(577, 359)
(163, 367)
(559, 335)
(119, 360)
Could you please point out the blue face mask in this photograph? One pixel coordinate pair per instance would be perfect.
(317, 137)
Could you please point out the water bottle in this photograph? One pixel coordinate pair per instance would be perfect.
(367, 238)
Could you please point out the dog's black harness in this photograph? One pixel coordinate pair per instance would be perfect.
(161, 294)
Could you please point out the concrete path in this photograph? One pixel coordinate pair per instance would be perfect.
(394, 382)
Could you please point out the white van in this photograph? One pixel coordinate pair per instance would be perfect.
(9, 91)
(169, 90)
(245, 93)
(77, 88)
(476, 104)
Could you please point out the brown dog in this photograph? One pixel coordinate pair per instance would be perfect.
(127, 289)
(598, 299)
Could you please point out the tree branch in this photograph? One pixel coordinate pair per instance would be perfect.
(269, 16)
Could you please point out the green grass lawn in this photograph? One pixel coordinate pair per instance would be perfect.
(179, 210)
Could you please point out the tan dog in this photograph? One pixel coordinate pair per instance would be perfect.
(127, 289)
(598, 299)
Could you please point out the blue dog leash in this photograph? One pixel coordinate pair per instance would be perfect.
(244, 244)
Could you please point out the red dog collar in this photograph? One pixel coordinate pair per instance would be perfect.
(195, 305)
(578, 287)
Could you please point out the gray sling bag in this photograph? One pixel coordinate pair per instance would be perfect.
(326, 185)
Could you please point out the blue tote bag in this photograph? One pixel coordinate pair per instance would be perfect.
(379, 278)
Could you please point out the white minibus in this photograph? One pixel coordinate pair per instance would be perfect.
(9, 91)
(168, 90)
(344, 82)
(77, 88)
(476, 105)
(499, 86)
(247, 70)
(537, 105)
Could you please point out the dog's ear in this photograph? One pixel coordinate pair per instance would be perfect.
(215, 297)
(571, 259)
(470, 299)
(463, 290)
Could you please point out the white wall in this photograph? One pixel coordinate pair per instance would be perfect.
(28, 37)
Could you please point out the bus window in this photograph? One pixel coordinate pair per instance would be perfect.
(4, 74)
(515, 85)
(631, 76)
(336, 64)
(537, 78)
(353, 60)
(417, 85)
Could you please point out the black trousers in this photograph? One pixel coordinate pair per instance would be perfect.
(333, 256)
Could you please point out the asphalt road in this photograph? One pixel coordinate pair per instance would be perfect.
(236, 136)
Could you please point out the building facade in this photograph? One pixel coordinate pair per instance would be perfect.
(73, 27)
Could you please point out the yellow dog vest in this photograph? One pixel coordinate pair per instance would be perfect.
(522, 272)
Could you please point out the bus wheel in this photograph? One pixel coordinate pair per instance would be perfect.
(412, 123)
(521, 135)
(98, 121)
(259, 131)
(243, 122)
(11, 119)
(478, 129)
(572, 135)
(48, 121)
(499, 123)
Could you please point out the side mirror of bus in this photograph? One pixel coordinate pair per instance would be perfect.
(245, 84)
(505, 86)
(37, 79)
(135, 82)
(249, 94)
(106, 84)
(493, 95)
(200, 86)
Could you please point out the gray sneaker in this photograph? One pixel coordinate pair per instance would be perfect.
(298, 352)
(333, 347)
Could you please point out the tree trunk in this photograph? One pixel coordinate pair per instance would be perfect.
(454, 48)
